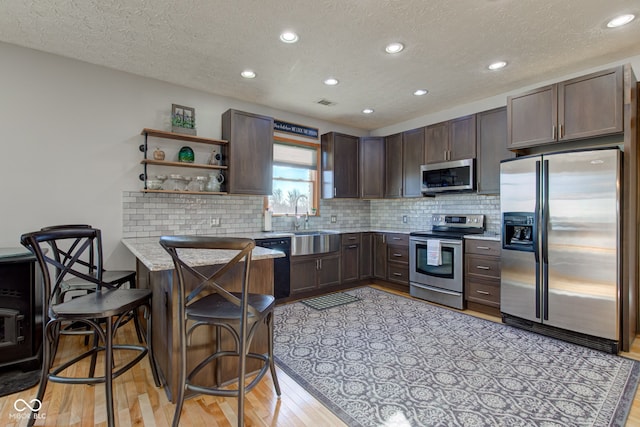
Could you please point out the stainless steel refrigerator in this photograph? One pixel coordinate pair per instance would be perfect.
(561, 244)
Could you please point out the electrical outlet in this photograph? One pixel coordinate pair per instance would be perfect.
(334, 218)
(215, 222)
(404, 219)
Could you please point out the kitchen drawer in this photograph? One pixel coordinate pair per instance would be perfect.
(480, 265)
(482, 247)
(399, 239)
(398, 273)
(483, 291)
(398, 254)
(351, 238)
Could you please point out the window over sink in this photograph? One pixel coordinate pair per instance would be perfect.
(295, 177)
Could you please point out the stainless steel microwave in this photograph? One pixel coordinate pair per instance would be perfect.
(453, 176)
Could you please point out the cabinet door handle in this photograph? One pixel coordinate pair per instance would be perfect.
(352, 238)
(397, 238)
(485, 248)
(482, 267)
(483, 292)
(553, 131)
(397, 274)
(384, 238)
(335, 192)
(561, 131)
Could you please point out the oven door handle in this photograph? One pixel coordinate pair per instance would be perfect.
(442, 242)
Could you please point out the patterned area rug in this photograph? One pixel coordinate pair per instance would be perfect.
(388, 360)
(330, 300)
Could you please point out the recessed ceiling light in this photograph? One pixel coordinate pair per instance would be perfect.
(497, 65)
(420, 92)
(621, 20)
(289, 37)
(331, 81)
(368, 110)
(248, 74)
(394, 47)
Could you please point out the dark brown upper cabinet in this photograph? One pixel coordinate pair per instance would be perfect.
(339, 166)
(492, 147)
(584, 107)
(393, 166)
(413, 142)
(451, 140)
(250, 152)
(372, 166)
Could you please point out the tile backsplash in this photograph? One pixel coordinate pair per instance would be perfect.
(156, 214)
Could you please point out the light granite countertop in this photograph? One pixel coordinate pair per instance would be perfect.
(155, 258)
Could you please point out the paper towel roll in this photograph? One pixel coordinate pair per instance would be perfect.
(267, 221)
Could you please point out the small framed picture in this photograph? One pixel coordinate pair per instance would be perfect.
(183, 119)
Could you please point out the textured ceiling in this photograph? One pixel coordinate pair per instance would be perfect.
(204, 44)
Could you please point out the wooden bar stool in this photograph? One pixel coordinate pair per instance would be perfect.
(209, 304)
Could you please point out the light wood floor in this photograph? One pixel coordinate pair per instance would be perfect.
(139, 403)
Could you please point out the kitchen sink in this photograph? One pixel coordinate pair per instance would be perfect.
(314, 242)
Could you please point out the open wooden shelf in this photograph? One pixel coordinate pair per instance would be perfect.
(181, 164)
(182, 136)
(185, 192)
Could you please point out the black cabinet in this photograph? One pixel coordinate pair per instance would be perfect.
(20, 309)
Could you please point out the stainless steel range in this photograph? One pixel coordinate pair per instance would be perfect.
(436, 258)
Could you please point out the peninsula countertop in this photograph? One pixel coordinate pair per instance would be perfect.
(155, 258)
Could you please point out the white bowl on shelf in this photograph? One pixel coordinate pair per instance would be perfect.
(154, 184)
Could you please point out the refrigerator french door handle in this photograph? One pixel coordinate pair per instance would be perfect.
(545, 246)
(536, 246)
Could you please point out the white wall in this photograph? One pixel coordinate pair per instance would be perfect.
(70, 132)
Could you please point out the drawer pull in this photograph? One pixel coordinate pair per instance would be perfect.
(397, 274)
(483, 292)
(352, 246)
(486, 248)
(482, 267)
(397, 238)
(397, 255)
(352, 238)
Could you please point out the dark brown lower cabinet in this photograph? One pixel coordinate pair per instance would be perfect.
(350, 257)
(398, 258)
(379, 256)
(311, 272)
(366, 256)
(482, 275)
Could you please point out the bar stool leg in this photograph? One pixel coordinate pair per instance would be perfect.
(108, 372)
(272, 363)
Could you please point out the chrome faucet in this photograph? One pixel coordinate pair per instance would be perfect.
(295, 202)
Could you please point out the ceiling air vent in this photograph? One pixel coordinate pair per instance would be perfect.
(326, 103)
